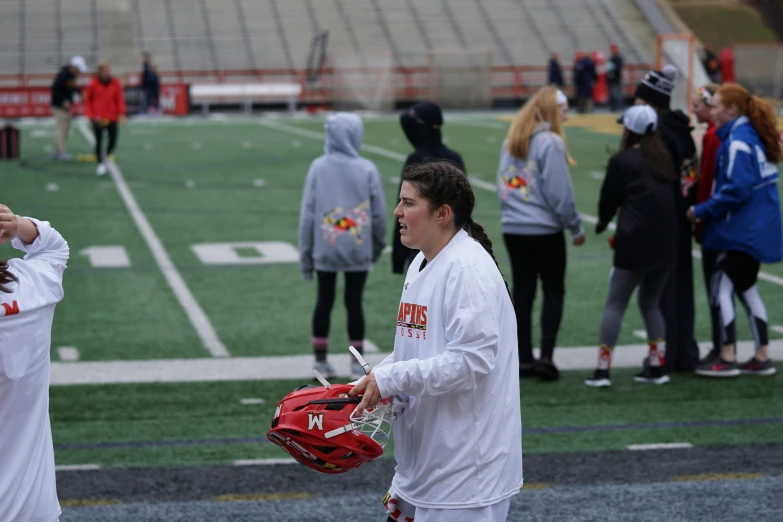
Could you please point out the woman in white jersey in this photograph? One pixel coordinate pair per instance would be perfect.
(458, 440)
(29, 289)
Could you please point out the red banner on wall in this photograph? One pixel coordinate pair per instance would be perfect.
(18, 103)
(36, 101)
(174, 99)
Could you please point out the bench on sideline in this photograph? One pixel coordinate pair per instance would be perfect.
(247, 92)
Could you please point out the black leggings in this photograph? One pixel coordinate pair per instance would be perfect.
(97, 128)
(708, 260)
(735, 274)
(532, 257)
(354, 287)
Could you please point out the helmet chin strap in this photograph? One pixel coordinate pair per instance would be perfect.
(359, 358)
(321, 379)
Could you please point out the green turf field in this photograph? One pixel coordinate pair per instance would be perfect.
(199, 182)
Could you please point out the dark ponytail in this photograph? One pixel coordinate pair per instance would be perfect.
(6, 277)
(444, 183)
(477, 232)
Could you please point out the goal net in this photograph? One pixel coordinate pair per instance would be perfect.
(680, 50)
(759, 68)
(460, 79)
(363, 81)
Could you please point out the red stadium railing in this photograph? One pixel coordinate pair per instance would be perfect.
(410, 83)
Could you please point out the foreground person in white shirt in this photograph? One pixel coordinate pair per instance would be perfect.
(29, 290)
(458, 440)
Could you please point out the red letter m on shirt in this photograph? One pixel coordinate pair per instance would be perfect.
(11, 309)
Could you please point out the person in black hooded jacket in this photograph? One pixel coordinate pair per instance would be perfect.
(421, 124)
(677, 304)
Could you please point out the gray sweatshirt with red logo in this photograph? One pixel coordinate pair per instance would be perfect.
(535, 193)
(343, 217)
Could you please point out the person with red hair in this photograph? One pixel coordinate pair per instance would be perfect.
(742, 222)
(709, 155)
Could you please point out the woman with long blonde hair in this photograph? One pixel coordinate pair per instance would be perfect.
(537, 203)
(742, 222)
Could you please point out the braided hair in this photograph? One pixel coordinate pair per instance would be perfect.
(444, 183)
(6, 277)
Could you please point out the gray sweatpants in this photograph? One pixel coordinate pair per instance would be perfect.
(621, 286)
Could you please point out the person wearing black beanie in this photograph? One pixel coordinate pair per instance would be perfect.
(677, 303)
(421, 125)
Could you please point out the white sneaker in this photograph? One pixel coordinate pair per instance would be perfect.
(357, 371)
(101, 170)
(325, 369)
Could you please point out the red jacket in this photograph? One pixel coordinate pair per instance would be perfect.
(104, 101)
(709, 154)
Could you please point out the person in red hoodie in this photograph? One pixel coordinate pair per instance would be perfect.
(104, 104)
(709, 153)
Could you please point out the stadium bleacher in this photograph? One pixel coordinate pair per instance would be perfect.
(274, 34)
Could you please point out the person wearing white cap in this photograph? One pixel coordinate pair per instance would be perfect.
(537, 204)
(638, 183)
(63, 95)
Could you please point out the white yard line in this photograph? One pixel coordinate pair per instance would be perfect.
(776, 328)
(192, 309)
(68, 353)
(263, 462)
(299, 366)
(490, 187)
(77, 467)
(251, 401)
(662, 445)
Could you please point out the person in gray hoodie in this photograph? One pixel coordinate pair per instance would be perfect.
(341, 229)
(537, 203)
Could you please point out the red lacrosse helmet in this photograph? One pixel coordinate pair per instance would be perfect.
(317, 426)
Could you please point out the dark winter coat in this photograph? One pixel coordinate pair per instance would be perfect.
(647, 231)
(421, 125)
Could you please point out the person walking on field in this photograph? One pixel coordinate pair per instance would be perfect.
(64, 94)
(104, 104)
(707, 165)
(677, 301)
(30, 288)
(537, 204)
(458, 436)
(638, 184)
(341, 229)
(742, 221)
(422, 125)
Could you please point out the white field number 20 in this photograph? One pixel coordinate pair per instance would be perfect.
(263, 252)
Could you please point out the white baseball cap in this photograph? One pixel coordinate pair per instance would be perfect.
(639, 119)
(79, 63)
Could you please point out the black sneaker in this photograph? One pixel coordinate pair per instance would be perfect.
(711, 356)
(756, 367)
(600, 379)
(546, 370)
(526, 370)
(718, 368)
(652, 375)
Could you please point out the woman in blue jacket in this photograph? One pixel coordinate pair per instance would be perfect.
(742, 222)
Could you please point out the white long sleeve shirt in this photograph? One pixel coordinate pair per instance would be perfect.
(28, 491)
(458, 442)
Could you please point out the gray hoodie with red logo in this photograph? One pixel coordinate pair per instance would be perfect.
(343, 217)
(535, 193)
